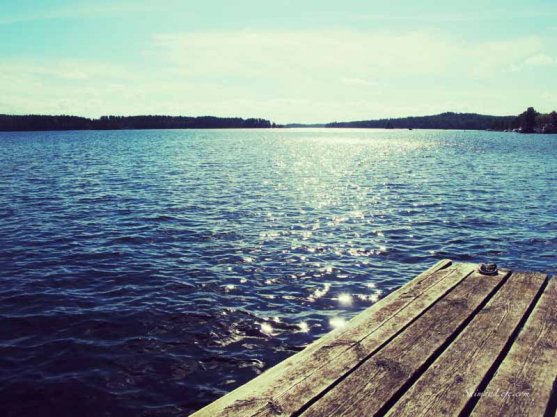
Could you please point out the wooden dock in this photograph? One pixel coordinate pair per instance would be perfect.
(451, 342)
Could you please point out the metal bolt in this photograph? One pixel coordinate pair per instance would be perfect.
(488, 269)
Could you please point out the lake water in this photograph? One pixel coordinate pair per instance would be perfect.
(146, 273)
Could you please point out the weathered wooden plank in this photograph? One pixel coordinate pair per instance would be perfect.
(447, 386)
(522, 385)
(367, 390)
(393, 312)
(285, 402)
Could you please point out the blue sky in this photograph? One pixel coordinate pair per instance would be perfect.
(305, 60)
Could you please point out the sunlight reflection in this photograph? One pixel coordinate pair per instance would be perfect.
(337, 322)
(345, 299)
(304, 327)
(266, 329)
(320, 292)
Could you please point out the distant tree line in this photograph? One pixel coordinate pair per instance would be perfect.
(462, 121)
(528, 122)
(533, 122)
(38, 122)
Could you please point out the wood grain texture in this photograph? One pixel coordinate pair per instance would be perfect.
(383, 326)
(372, 385)
(447, 343)
(447, 386)
(522, 386)
(260, 396)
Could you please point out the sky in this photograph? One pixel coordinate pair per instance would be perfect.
(284, 60)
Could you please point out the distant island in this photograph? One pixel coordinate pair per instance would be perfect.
(40, 122)
(529, 121)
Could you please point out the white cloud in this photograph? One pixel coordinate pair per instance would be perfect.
(495, 57)
(346, 56)
(280, 54)
(285, 76)
(539, 59)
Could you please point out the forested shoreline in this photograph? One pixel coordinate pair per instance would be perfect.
(63, 122)
(529, 121)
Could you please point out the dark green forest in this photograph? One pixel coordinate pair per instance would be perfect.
(38, 122)
(528, 122)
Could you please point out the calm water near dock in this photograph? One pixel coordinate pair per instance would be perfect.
(146, 273)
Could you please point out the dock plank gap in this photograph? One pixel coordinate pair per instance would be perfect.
(454, 341)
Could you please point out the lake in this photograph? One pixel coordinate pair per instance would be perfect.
(147, 273)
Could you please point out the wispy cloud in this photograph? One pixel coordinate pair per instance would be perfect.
(311, 54)
(357, 58)
(285, 76)
(539, 60)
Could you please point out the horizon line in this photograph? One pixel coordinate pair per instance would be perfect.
(93, 118)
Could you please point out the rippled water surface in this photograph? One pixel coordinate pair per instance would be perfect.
(146, 273)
